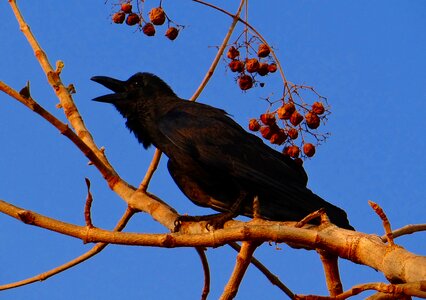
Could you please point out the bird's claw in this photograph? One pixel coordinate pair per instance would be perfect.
(216, 221)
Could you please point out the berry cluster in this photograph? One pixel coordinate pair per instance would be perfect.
(296, 120)
(250, 58)
(248, 67)
(156, 15)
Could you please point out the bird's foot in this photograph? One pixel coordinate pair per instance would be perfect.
(214, 221)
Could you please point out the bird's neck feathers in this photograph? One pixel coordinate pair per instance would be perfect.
(143, 112)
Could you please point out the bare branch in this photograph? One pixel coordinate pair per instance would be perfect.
(151, 169)
(142, 201)
(219, 53)
(108, 172)
(241, 265)
(92, 252)
(408, 229)
(386, 224)
(88, 206)
(398, 291)
(313, 215)
(272, 278)
(206, 288)
(61, 91)
(396, 263)
(331, 270)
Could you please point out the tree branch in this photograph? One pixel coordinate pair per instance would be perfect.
(331, 270)
(399, 291)
(408, 229)
(219, 53)
(92, 252)
(396, 263)
(241, 265)
(61, 91)
(206, 288)
(268, 274)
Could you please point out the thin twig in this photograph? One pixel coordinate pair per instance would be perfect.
(206, 288)
(219, 53)
(313, 215)
(257, 33)
(241, 265)
(88, 205)
(108, 172)
(415, 289)
(92, 252)
(408, 229)
(61, 91)
(386, 224)
(331, 271)
(151, 169)
(268, 274)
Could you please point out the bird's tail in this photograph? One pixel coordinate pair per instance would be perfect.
(299, 206)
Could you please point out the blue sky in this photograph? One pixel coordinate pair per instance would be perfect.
(367, 57)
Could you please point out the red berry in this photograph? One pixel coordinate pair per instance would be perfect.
(266, 132)
(272, 68)
(278, 138)
(157, 16)
(172, 33)
(263, 69)
(292, 151)
(252, 65)
(263, 50)
(293, 133)
(309, 149)
(118, 17)
(285, 111)
(126, 8)
(236, 66)
(132, 19)
(148, 29)
(254, 125)
(318, 108)
(268, 118)
(245, 82)
(312, 120)
(296, 118)
(232, 53)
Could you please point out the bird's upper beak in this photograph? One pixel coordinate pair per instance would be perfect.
(115, 85)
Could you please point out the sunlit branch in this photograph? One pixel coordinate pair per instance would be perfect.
(241, 265)
(206, 270)
(92, 252)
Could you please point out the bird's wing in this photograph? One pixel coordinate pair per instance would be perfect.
(214, 140)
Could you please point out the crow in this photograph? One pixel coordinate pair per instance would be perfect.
(212, 159)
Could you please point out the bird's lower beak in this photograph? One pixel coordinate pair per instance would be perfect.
(114, 85)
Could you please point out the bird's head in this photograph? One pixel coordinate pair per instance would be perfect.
(137, 99)
(138, 87)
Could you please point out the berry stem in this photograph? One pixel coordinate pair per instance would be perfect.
(222, 47)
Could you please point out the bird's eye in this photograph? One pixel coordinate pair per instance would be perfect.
(138, 83)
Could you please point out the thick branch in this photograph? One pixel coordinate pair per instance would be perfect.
(396, 263)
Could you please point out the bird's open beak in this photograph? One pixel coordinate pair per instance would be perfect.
(115, 85)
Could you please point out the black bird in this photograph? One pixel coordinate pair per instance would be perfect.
(212, 159)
